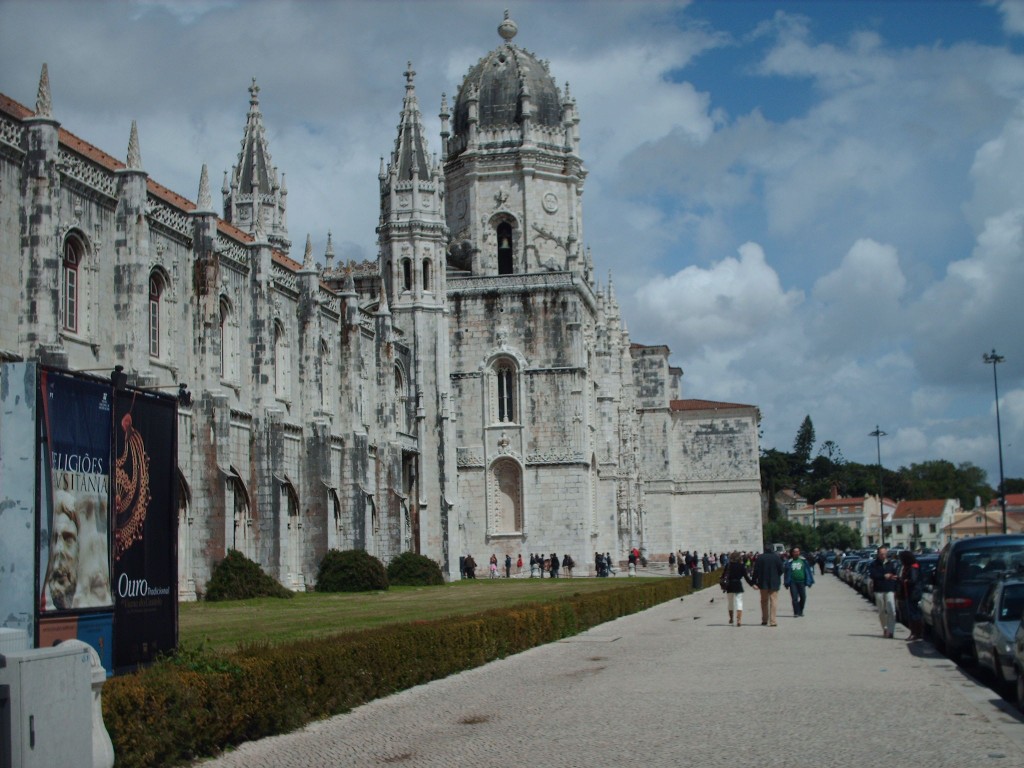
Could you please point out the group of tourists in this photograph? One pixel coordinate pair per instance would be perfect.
(539, 566)
(767, 573)
(550, 564)
(687, 563)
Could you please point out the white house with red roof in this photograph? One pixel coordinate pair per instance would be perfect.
(863, 514)
(922, 523)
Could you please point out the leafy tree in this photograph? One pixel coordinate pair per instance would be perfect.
(1014, 484)
(791, 534)
(803, 445)
(941, 479)
(833, 535)
(774, 477)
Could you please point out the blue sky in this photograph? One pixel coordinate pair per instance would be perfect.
(818, 206)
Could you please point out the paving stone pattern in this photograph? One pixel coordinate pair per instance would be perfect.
(678, 686)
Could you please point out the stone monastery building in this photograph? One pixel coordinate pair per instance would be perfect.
(472, 391)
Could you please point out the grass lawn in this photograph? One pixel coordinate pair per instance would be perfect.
(224, 625)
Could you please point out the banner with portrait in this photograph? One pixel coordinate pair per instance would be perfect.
(74, 524)
(145, 527)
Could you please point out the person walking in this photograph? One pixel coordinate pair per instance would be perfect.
(768, 570)
(910, 590)
(885, 581)
(508, 566)
(798, 577)
(519, 564)
(733, 576)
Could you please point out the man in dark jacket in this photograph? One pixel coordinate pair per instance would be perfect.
(768, 577)
(884, 580)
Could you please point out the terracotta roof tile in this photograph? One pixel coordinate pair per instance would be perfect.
(848, 501)
(920, 508)
(704, 405)
(111, 163)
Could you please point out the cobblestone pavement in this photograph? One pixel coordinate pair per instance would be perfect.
(677, 686)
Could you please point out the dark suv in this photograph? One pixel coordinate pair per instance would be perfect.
(964, 571)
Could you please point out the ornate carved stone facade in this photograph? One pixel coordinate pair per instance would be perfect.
(473, 390)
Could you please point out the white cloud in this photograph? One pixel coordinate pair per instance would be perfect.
(732, 300)
(1013, 15)
(860, 301)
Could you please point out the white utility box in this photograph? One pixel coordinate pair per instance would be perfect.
(49, 702)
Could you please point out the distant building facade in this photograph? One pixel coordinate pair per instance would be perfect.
(922, 524)
(865, 514)
(472, 390)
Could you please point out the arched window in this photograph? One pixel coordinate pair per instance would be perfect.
(242, 533)
(296, 579)
(282, 362)
(74, 253)
(406, 274)
(228, 341)
(401, 400)
(326, 375)
(156, 289)
(426, 276)
(506, 261)
(506, 496)
(186, 578)
(336, 537)
(505, 376)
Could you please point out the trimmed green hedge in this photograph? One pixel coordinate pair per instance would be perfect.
(197, 704)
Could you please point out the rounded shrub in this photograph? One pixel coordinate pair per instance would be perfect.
(353, 570)
(236, 577)
(412, 570)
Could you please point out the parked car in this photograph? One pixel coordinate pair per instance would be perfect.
(995, 625)
(966, 568)
(1018, 663)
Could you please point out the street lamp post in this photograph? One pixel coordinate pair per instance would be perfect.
(993, 359)
(878, 434)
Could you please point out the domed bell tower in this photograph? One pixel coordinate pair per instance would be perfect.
(512, 165)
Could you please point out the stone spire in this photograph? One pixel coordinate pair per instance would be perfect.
(445, 114)
(204, 202)
(410, 155)
(253, 185)
(329, 253)
(254, 171)
(134, 162)
(44, 105)
(307, 257)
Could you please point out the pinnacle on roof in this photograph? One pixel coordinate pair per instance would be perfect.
(134, 154)
(254, 169)
(410, 155)
(508, 28)
(307, 256)
(204, 202)
(329, 251)
(44, 106)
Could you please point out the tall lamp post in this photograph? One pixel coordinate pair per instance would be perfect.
(993, 359)
(878, 435)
